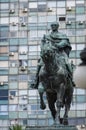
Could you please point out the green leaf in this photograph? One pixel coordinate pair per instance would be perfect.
(10, 128)
(15, 127)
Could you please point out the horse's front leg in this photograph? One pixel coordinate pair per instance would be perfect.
(65, 118)
(59, 103)
(57, 117)
(41, 91)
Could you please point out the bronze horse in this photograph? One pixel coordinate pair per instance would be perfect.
(53, 79)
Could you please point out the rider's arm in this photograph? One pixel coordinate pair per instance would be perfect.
(63, 43)
(43, 41)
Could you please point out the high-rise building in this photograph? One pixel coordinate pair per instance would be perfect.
(22, 25)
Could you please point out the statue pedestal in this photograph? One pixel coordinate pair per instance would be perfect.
(51, 128)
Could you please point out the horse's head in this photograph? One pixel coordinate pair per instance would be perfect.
(48, 52)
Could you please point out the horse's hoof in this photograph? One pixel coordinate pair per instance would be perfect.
(65, 122)
(43, 106)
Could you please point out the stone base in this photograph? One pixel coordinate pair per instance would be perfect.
(51, 128)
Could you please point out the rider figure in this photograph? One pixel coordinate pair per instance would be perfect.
(61, 42)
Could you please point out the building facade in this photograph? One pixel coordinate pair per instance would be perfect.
(22, 25)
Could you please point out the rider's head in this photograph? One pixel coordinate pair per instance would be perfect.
(54, 26)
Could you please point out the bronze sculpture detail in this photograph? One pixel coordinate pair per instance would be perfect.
(54, 74)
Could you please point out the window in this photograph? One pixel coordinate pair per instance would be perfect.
(80, 39)
(22, 34)
(41, 33)
(3, 50)
(61, 11)
(13, 41)
(4, 6)
(23, 85)
(13, 115)
(51, 18)
(80, 46)
(62, 18)
(13, 93)
(33, 5)
(3, 63)
(61, 3)
(33, 35)
(70, 3)
(22, 41)
(33, 48)
(3, 107)
(42, 19)
(73, 46)
(51, 4)
(3, 94)
(79, 32)
(13, 63)
(23, 77)
(14, 19)
(79, 2)
(13, 48)
(23, 49)
(42, 6)
(80, 10)
(32, 92)
(33, 63)
(13, 85)
(23, 19)
(13, 71)
(81, 99)
(22, 57)
(80, 17)
(4, 34)
(23, 4)
(13, 34)
(13, 78)
(14, 5)
(13, 107)
(4, 20)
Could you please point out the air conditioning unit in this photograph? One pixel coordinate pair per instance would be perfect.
(12, 11)
(24, 97)
(11, 54)
(49, 10)
(68, 23)
(24, 52)
(23, 24)
(25, 10)
(23, 68)
(11, 97)
(81, 22)
(1, 83)
(14, 24)
(69, 8)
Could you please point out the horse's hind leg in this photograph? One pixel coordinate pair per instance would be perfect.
(41, 92)
(68, 99)
(65, 118)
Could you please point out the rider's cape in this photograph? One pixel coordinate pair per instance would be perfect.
(56, 38)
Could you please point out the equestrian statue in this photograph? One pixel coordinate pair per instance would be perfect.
(55, 74)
